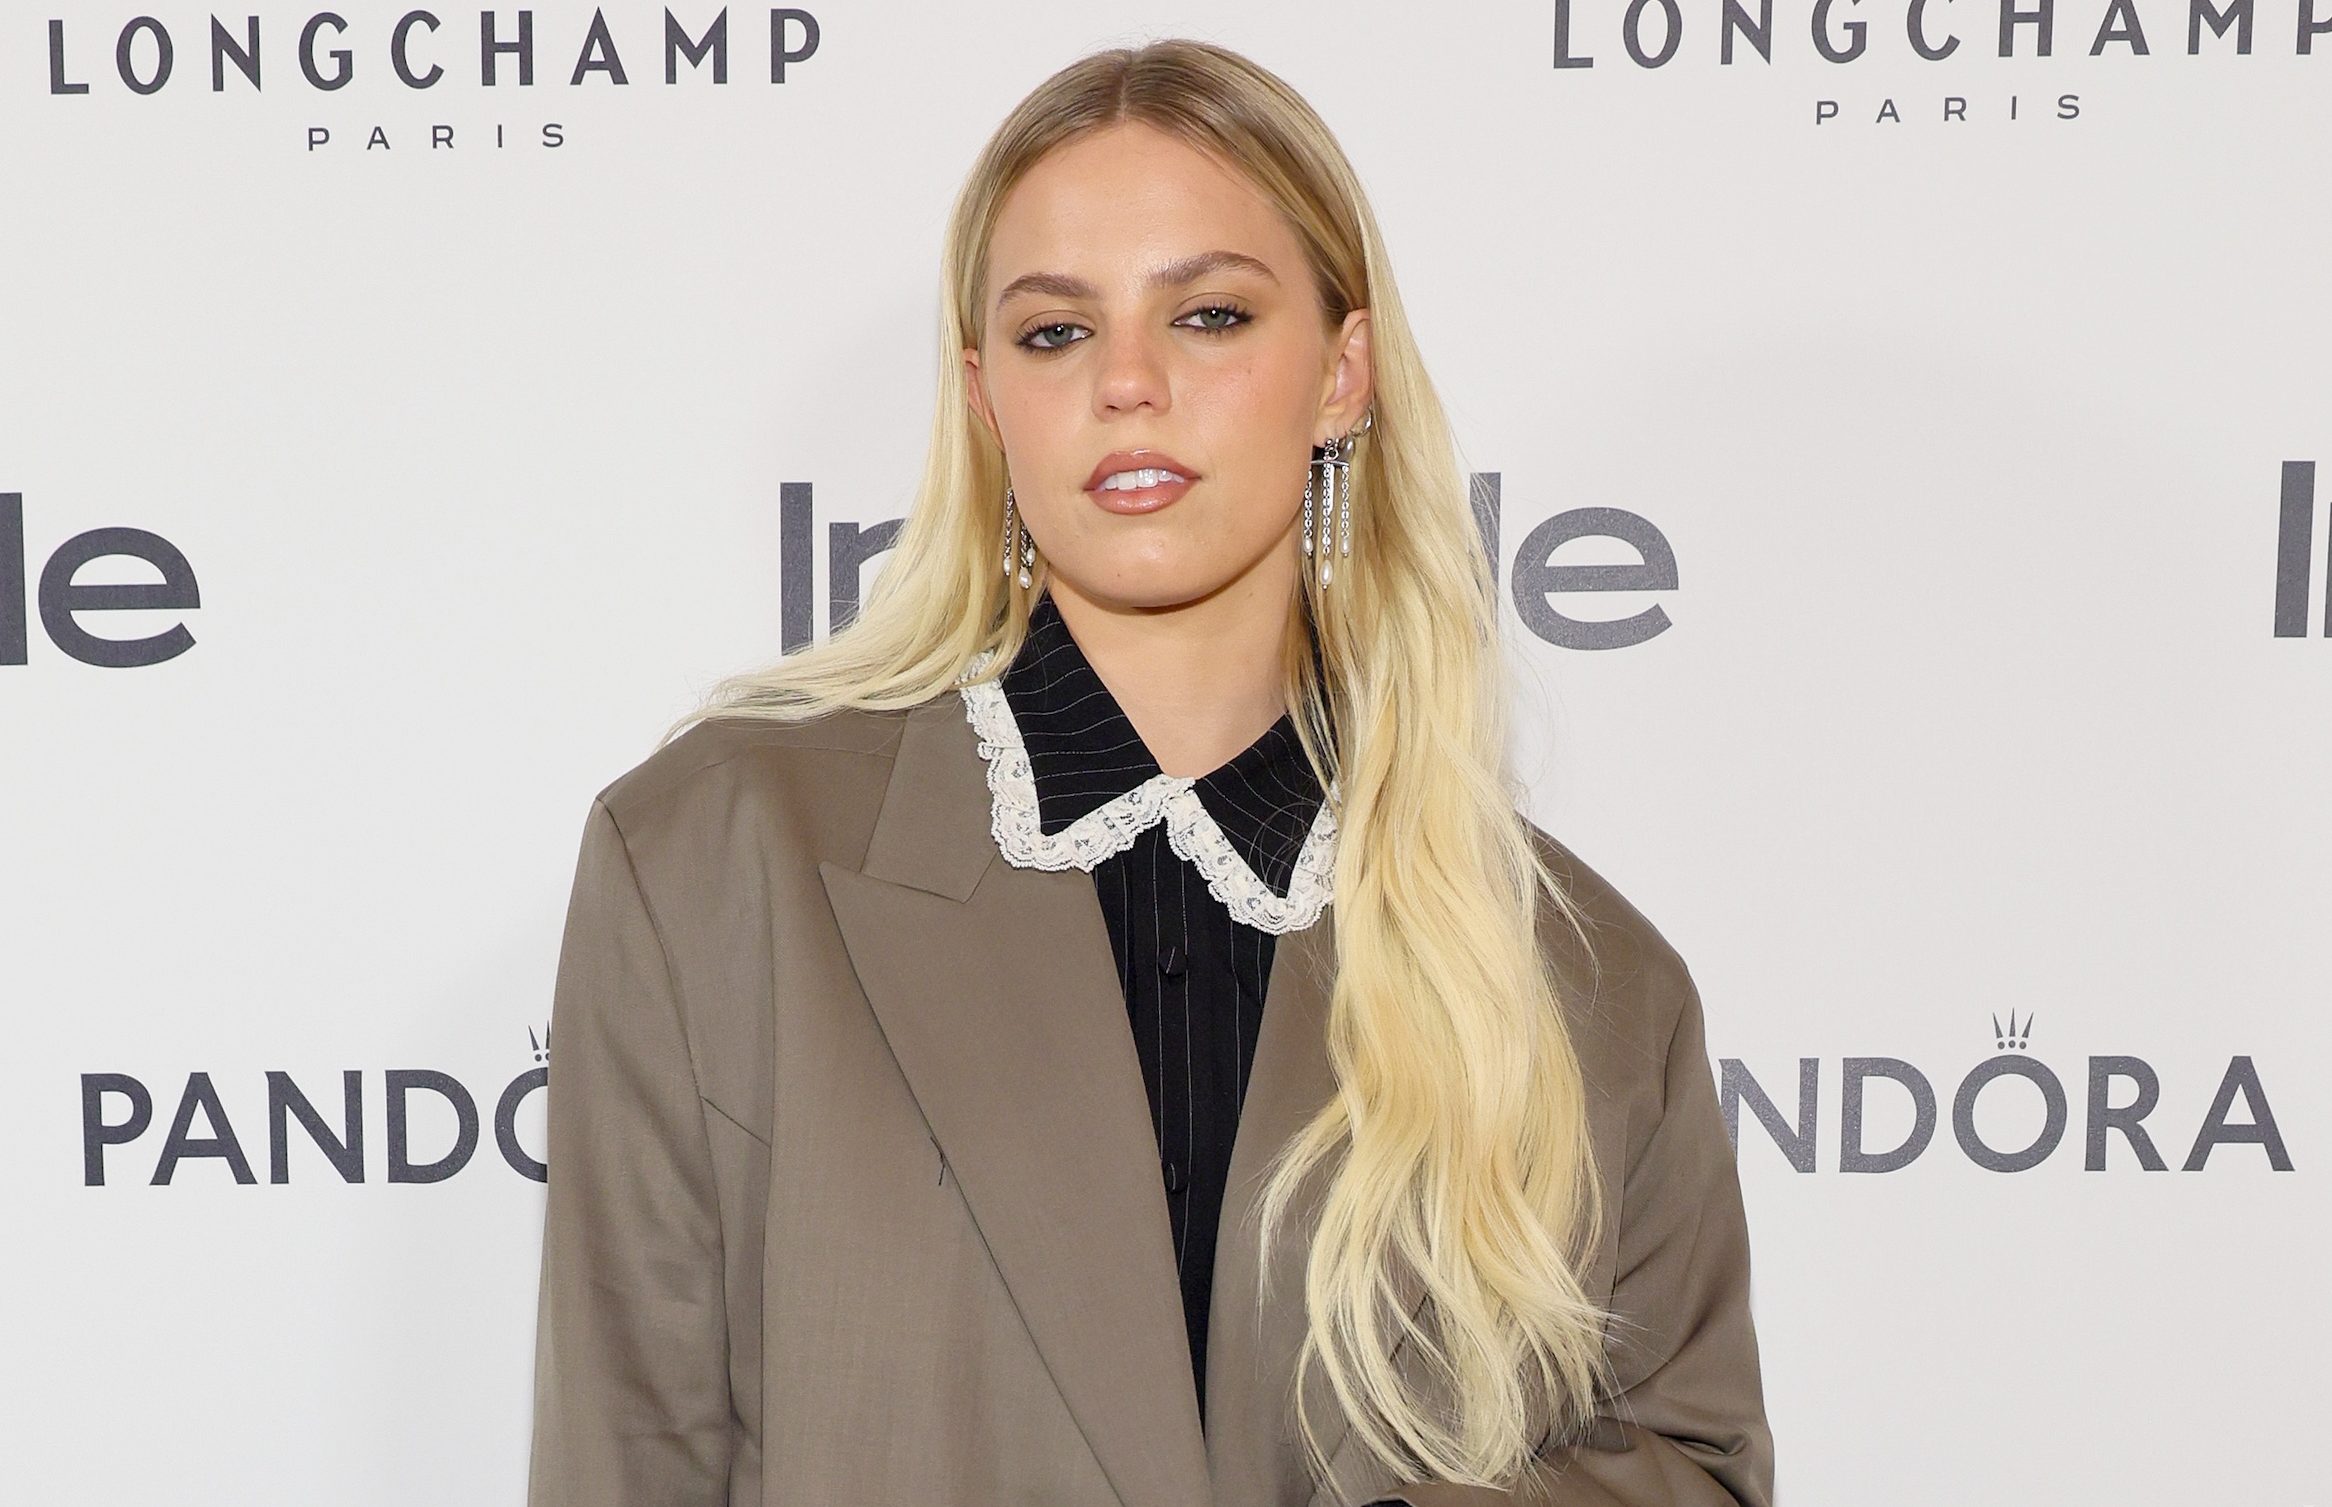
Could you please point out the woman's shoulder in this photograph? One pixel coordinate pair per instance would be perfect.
(1622, 983)
(820, 760)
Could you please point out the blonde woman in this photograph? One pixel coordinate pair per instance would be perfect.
(1097, 1028)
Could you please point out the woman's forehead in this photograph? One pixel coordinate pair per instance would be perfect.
(1115, 206)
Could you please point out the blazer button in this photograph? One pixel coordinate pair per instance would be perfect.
(1173, 1178)
(1172, 963)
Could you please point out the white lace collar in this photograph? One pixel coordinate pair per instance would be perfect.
(1191, 830)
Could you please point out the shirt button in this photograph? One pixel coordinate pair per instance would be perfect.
(1172, 963)
(1173, 1178)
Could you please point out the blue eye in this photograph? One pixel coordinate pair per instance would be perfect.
(1239, 315)
(1028, 338)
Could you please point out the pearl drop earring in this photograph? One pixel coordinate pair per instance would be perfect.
(1329, 477)
(1017, 541)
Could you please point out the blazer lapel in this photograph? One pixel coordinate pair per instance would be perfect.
(1253, 1448)
(1252, 1344)
(996, 989)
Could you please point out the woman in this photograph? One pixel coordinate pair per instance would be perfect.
(1178, 707)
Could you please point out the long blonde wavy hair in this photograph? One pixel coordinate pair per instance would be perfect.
(1457, 1140)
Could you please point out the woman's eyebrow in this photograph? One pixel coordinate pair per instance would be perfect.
(1173, 274)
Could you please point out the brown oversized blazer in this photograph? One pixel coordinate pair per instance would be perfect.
(854, 1196)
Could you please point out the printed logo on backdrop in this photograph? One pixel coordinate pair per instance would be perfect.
(281, 1114)
(2295, 553)
(2119, 1123)
(65, 599)
(1647, 34)
(1547, 592)
(1537, 580)
(392, 57)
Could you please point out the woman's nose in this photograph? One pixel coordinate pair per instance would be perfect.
(1132, 373)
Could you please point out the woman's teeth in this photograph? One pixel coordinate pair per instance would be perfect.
(1134, 481)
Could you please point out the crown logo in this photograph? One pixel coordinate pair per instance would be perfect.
(540, 1046)
(2016, 1038)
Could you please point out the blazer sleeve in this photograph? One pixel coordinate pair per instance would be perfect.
(631, 1392)
(1688, 1426)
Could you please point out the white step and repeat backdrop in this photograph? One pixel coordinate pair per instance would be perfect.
(1902, 427)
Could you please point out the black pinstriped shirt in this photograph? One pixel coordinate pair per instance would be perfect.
(1194, 979)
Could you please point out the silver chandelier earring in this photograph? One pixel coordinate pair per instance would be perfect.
(1329, 480)
(1017, 541)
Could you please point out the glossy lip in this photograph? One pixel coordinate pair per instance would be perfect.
(1147, 499)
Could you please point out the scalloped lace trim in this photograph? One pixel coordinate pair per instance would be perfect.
(1191, 830)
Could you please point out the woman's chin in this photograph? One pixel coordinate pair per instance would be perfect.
(1144, 586)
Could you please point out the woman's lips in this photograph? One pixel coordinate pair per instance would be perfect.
(1139, 499)
(1143, 500)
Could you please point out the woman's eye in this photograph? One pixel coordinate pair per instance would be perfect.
(1031, 342)
(1237, 317)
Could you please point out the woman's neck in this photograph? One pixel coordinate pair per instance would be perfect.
(1200, 681)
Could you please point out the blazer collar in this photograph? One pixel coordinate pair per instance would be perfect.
(997, 991)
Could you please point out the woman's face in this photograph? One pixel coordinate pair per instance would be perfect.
(1148, 304)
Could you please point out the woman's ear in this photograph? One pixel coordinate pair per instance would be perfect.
(976, 394)
(1351, 377)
